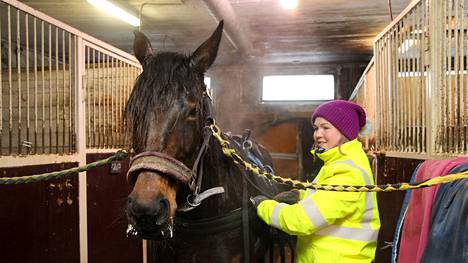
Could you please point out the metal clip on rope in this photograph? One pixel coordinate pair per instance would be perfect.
(194, 201)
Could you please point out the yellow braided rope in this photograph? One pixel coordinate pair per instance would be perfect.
(232, 153)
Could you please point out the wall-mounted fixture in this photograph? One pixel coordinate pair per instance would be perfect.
(115, 11)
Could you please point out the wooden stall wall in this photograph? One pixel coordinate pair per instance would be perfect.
(40, 221)
(284, 150)
(107, 222)
(391, 170)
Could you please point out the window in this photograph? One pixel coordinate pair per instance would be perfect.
(207, 81)
(298, 87)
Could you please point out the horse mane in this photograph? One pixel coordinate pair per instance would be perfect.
(167, 77)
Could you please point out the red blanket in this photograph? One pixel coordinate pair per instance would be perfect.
(418, 216)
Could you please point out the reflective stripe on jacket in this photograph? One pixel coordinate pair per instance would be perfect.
(332, 226)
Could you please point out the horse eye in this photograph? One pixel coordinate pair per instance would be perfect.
(192, 113)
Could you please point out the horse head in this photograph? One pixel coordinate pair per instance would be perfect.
(165, 115)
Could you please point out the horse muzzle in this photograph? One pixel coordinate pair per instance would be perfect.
(148, 209)
(150, 220)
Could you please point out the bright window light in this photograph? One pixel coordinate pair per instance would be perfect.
(298, 88)
(289, 4)
(207, 81)
(115, 11)
(209, 90)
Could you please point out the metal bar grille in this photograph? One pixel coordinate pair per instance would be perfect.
(36, 87)
(108, 80)
(402, 83)
(364, 95)
(451, 123)
(418, 115)
(39, 82)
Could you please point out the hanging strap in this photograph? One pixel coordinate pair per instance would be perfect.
(245, 220)
(197, 168)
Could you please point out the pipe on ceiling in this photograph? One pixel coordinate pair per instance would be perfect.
(235, 32)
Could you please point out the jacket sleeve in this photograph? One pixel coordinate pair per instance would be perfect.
(316, 210)
(302, 193)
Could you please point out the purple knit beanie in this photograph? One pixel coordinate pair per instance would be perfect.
(346, 116)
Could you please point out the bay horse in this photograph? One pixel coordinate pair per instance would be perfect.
(167, 116)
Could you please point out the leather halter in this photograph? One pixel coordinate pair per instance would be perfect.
(160, 163)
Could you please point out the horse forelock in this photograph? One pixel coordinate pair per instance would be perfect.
(167, 79)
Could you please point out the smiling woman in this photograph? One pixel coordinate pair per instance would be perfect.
(323, 220)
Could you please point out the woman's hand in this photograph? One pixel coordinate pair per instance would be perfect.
(257, 200)
(288, 197)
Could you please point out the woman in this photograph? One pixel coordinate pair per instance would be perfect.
(331, 226)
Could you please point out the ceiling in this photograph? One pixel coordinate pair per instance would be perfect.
(256, 31)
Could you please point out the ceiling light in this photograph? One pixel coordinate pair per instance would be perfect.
(116, 11)
(289, 4)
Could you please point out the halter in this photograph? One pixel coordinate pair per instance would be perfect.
(164, 164)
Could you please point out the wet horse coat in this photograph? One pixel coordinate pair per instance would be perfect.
(166, 115)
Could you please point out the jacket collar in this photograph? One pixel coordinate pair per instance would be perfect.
(337, 152)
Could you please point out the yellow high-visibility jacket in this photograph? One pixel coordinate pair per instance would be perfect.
(332, 226)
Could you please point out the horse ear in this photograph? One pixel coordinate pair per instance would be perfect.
(142, 47)
(206, 53)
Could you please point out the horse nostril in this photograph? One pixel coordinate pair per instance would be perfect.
(163, 207)
(130, 204)
(136, 208)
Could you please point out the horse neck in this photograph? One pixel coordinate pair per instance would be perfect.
(219, 170)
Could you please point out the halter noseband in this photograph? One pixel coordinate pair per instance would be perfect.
(160, 163)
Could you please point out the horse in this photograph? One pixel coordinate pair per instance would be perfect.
(198, 214)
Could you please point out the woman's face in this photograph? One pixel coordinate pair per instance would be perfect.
(326, 135)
